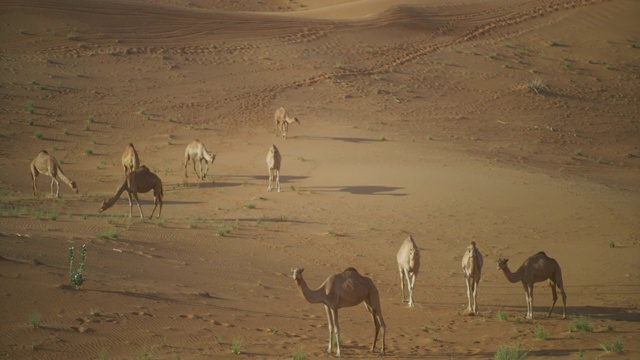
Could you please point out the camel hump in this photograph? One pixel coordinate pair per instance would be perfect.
(44, 152)
(351, 269)
(542, 253)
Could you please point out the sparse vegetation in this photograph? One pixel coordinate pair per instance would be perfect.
(540, 333)
(38, 134)
(615, 345)
(299, 354)
(76, 275)
(34, 320)
(250, 206)
(65, 131)
(538, 85)
(88, 151)
(502, 315)
(236, 344)
(30, 107)
(581, 323)
(510, 352)
(30, 122)
(578, 152)
(612, 244)
(72, 36)
(90, 118)
(223, 231)
(111, 234)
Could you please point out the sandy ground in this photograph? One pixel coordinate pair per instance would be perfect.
(417, 118)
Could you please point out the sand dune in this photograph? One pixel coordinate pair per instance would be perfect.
(509, 123)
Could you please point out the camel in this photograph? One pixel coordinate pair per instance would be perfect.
(130, 159)
(408, 264)
(283, 120)
(472, 269)
(141, 180)
(344, 289)
(197, 152)
(48, 165)
(273, 164)
(537, 268)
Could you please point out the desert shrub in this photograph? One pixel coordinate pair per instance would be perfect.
(76, 275)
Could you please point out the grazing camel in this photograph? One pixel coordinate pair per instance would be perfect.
(283, 120)
(345, 289)
(537, 268)
(408, 264)
(141, 180)
(273, 164)
(472, 269)
(130, 159)
(197, 152)
(48, 165)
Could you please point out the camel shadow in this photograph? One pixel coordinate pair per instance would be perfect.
(358, 190)
(270, 220)
(208, 184)
(345, 139)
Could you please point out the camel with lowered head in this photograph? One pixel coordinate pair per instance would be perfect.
(408, 264)
(130, 159)
(141, 180)
(537, 268)
(48, 165)
(344, 289)
(472, 269)
(283, 120)
(197, 152)
(273, 164)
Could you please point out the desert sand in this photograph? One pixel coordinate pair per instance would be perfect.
(514, 124)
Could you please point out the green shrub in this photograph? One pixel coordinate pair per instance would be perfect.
(76, 275)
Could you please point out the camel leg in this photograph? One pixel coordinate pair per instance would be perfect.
(336, 331)
(194, 168)
(330, 321)
(34, 175)
(155, 205)
(402, 282)
(413, 286)
(278, 179)
(130, 205)
(467, 281)
(135, 196)
(376, 323)
(564, 299)
(475, 296)
(186, 163)
(529, 294)
(409, 283)
(57, 194)
(554, 295)
(383, 328)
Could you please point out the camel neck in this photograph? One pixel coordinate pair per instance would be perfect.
(312, 296)
(512, 277)
(117, 194)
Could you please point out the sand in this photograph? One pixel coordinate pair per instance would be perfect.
(513, 124)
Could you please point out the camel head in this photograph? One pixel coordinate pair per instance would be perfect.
(297, 273)
(213, 158)
(295, 120)
(414, 257)
(74, 186)
(502, 263)
(105, 205)
(471, 249)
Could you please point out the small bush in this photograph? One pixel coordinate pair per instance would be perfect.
(541, 333)
(299, 354)
(30, 107)
(90, 118)
(582, 323)
(235, 346)
(537, 85)
(76, 275)
(510, 352)
(30, 122)
(111, 234)
(612, 244)
(502, 315)
(34, 320)
(88, 151)
(38, 134)
(250, 206)
(615, 345)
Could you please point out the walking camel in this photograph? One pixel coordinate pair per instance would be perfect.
(130, 159)
(273, 164)
(48, 165)
(408, 264)
(472, 269)
(537, 268)
(141, 180)
(283, 120)
(198, 153)
(344, 289)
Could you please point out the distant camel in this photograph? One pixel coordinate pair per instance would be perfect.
(130, 159)
(283, 120)
(408, 264)
(273, 164)
(345, 289)
(48, 165)
(472, 269)
(537, 268)
(197, 152)
(141, 180)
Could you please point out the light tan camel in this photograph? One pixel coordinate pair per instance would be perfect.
(537, 268)
(472, 269)
(48, 165)
(273, 164)
(408, 264)
(130, 159)
(141, 180)
(283, 120)
(197, 152)
(345, 289)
